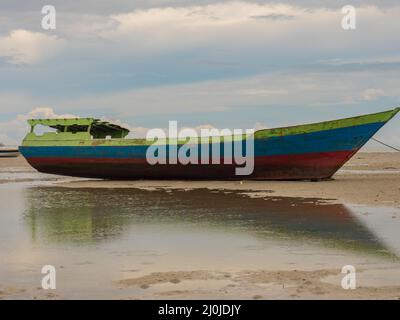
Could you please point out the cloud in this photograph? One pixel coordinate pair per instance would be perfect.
(171, 28)
(300, 90)
(272, 26)
(12, 131)
(188, 42)
(105, 7)
(47, 113)
(26, 47)
(372, 94)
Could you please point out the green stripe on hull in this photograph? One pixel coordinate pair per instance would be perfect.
(328, 125)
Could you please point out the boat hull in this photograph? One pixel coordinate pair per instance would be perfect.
(311, 166)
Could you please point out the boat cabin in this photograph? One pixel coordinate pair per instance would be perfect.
(76, 128)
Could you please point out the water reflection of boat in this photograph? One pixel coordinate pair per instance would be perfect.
(90, 215)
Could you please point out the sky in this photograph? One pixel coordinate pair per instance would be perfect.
(224, 64)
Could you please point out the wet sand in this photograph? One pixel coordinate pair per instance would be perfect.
(18, 162)
(368, 178)
(177, 240)
(264, 284)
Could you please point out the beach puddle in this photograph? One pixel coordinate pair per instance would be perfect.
(134, 243)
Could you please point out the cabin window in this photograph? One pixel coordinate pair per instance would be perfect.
(41, 130)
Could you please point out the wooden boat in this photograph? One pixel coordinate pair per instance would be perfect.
(8, 152)
(87, 147)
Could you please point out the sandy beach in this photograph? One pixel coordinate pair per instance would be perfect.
(203, 239)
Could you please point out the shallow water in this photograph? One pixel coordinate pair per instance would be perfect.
(97, 237)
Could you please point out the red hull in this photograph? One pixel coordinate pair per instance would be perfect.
(310, 166)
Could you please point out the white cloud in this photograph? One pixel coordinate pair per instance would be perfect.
(172, 28)
(26, 47)
(234, 26)
(237, 25)
(297, 89)
(12, 131)
(192, 17)
(5, 140)
(372, 94)
(46, 113)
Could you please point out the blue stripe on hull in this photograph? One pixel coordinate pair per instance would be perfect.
(342, 139)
